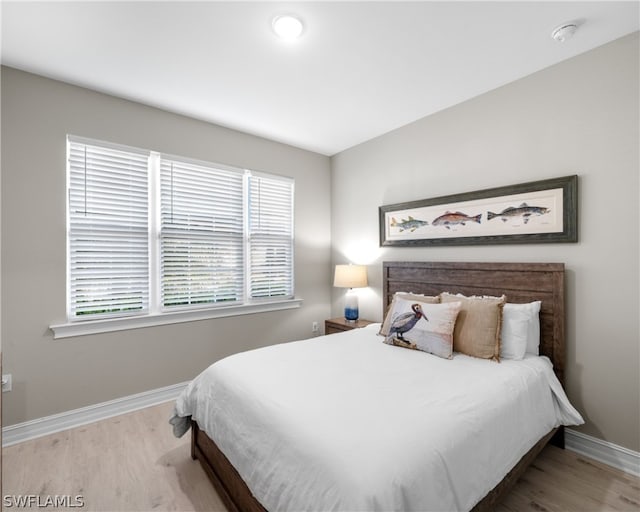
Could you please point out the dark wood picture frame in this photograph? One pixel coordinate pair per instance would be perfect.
(452, 224)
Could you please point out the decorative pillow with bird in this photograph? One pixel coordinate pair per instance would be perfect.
(422, 326)
(415, 297)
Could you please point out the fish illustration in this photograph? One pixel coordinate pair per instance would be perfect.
(452, 218)
(524, 210)
(410, 223)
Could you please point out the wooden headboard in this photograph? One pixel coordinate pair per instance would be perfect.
(520, 282)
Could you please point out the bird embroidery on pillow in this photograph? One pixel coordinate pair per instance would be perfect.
(402, 324)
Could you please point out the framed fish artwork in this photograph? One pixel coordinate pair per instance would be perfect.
(533, 212)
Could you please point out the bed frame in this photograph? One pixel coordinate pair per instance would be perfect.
(520, 282)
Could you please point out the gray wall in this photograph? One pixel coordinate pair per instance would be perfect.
(578, 117)
(53, 376)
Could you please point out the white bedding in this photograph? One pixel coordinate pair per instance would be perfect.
(346, 422)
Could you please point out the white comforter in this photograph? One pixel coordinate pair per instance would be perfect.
(345, 422)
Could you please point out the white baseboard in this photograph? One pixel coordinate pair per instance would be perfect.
(55, 423)
(603, 451)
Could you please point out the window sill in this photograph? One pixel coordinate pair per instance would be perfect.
(71, 329)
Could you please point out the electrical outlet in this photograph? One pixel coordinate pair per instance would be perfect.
(6, 382)
(314, 327)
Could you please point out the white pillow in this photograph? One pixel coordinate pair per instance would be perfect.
(515, 329)
(532, 310)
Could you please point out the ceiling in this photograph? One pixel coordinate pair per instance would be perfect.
(360, 69)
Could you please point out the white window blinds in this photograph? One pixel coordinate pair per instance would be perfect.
(270, 237)
(150, 234)
(107, 231)
(201, 235)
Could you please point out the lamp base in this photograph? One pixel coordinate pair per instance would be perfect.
(351, 306)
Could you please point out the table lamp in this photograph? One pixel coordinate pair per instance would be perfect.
(350, 276)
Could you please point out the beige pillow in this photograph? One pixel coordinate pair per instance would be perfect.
(384, 330)
(478, 326)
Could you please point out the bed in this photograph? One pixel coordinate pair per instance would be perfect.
(521, 282)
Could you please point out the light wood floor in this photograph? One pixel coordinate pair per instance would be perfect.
(133, 463)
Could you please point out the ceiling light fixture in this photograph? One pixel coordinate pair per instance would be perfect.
(287, 27)
(564, 32)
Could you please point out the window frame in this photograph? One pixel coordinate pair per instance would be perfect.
(157, 313)
(157, 235)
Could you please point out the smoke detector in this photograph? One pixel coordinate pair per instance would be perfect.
(564, 32)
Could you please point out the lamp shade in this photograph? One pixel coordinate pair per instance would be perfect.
(350, 276)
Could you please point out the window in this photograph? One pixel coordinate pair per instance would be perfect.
(201, 235)
(108, 232)
(152, 234)
(270, 238)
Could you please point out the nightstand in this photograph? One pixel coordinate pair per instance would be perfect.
(335, 325)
